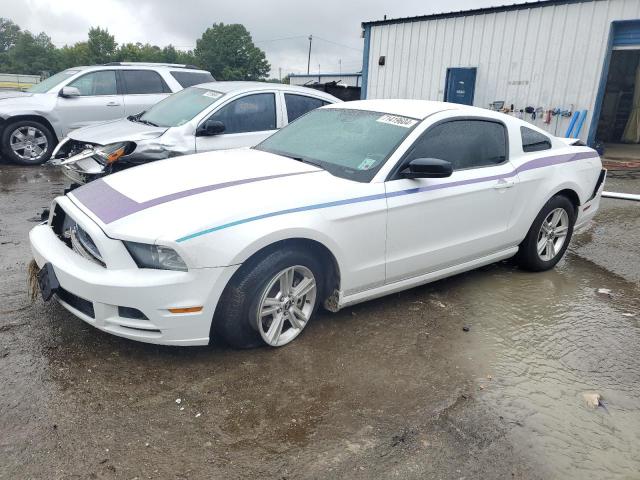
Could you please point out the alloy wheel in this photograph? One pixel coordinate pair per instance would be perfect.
(28, 143)
(286, 304)
(553, 234)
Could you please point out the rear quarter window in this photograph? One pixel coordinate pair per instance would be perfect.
(138, 82)
(298, 105)
(533, 141)
(189, 79)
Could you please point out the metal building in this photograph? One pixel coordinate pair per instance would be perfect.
(557, 56)
(346, 79)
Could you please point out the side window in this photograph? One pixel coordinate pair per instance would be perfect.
(253, 113)
(464, 143)
(96, 83)
(143, 81)
(189, 79)
(533, 141)
(298, 105)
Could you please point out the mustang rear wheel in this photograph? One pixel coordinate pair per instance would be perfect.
(269, 300)
(549, 235)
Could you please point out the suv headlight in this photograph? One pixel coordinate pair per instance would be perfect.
(112, 152)
(155, 256)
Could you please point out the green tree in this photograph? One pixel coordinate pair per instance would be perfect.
(150, 53)
(128, 52)
(74, 55)
(170, 54)
(31, 55)
(101, 44)
(187, 58)
(9, 32)
(229, 53)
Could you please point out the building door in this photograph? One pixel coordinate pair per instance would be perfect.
(460, 85)
(616, 119)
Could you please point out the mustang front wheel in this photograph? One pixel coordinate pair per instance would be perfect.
(270, 300)
(286, 305)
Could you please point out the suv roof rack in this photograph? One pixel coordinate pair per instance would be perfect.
(150, 64)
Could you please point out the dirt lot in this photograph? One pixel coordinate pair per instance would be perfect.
(390, 388)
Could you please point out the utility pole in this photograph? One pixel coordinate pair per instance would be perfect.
(280, 74)
(309, 59)
(319, 79)
(340, 66)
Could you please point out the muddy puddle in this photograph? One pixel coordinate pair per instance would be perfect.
(544, 340)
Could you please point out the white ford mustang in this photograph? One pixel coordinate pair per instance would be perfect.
(350, 202)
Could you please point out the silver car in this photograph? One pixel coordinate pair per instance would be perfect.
(32, 122)
(210, 116)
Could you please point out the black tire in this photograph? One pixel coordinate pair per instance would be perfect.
(528, 257)
(43, 130)
(235, 318)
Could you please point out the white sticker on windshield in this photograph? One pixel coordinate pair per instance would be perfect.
(211, 94)
(398, 120)
(367, 163)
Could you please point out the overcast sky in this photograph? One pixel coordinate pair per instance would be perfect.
(279, 27)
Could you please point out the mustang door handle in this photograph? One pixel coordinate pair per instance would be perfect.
(113, 104)
(504, 183)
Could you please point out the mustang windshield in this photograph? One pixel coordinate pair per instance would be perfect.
(181, 107)
(352, 144)
(48, 83)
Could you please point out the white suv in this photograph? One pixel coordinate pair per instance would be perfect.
(32, 122)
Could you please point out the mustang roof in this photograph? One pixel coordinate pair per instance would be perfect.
(419, 109)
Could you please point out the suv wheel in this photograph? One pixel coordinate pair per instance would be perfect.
(27, 142)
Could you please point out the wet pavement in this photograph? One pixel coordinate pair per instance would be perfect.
(389, 388)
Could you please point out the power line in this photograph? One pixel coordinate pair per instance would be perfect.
(339, 44)
(279, 39)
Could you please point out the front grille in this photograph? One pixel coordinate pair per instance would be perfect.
(80, 304)
(57, 221)
(74, 236)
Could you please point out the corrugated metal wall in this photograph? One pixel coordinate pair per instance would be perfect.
(548, 57)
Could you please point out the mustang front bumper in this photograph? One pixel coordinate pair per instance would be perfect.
(105, 297)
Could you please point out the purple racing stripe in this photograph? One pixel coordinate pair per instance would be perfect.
(531, 165)
(110, 205)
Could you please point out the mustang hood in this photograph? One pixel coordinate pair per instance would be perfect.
(117, 131)
(172, 198)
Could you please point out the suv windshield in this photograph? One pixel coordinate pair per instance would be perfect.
(48, 83)
(351, 144)
(180, 107)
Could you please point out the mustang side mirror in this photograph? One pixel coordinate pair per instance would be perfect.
(427, 168)
(69, 92)
(210, 128)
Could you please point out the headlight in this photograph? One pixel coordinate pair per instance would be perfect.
(155, 256)
(112, 152)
